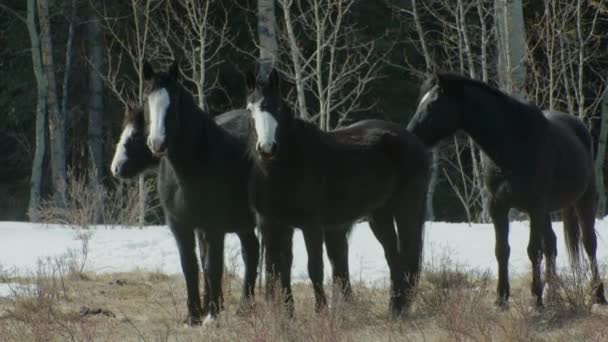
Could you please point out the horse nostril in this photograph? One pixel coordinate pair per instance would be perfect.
(266, 150)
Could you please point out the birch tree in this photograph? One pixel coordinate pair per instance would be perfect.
(336, 70)
(267, 35)
(511, 45)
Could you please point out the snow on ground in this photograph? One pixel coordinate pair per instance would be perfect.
(152, 248)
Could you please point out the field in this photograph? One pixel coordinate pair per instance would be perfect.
(74, 296)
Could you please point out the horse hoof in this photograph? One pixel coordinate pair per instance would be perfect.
(599, 309)
(501, 304)
(192, 321)
(210, 321)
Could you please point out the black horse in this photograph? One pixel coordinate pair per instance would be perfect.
(132, 157)
(538, 162)
(203, 182)
(314, 180)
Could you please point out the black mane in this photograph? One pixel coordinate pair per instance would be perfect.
(456, 82)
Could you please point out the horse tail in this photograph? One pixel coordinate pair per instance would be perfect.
(572, 236)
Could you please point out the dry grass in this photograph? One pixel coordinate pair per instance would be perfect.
(452, 304)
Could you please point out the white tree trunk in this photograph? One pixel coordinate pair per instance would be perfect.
(267, 34)
(511, 46)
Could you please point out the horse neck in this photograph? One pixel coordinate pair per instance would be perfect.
(190, 146)
(498, 123)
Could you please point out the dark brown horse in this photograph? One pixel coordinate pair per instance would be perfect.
(538, 163)
(314, 180)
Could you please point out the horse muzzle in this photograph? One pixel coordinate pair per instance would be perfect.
(158, 146)
(267, 151)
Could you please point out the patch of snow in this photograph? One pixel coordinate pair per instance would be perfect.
(152, 248)
(8, 290)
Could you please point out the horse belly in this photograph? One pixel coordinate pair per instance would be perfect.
(572, 174)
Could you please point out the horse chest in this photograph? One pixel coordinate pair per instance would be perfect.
(287, 199)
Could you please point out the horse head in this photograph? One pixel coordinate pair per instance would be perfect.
(132, 155)
(264, 104)
(439, 112)
(162, 95)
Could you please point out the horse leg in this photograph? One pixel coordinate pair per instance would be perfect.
(537, 229)
(250, 250)
(203, 250)
(184, 238)
(313, 239)
(550, 251)
(336, 245)
(409, 213)
(278, 242)
(215, 270)
(500, 217)
(381, 223)
(586, 208)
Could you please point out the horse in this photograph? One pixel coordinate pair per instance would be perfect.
(204, 181)
(133, 157)
(538, 162)
(314, 180)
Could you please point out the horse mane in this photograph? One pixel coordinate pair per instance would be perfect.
(451, 78)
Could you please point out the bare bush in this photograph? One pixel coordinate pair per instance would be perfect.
(88, 203)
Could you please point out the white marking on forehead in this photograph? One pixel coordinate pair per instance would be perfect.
(120, 156)
(265, 125)
(158, 102)
(426, 98)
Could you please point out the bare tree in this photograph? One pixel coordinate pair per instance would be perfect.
(95, 118)
(429, 67)
(36, 174)
(511, 39)
(56, 118)
(267, 35)
(567, 36)
(337, 70)
(202, 35)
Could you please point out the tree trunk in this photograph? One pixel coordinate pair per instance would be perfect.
(428, 59)
(601, 157)
(267, 33)
(56, 119)
(511, 38)
(36, 178)
(295, 57)
(95, 129)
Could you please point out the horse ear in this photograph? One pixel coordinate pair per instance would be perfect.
(174, 70)
(147, 71)
(441, 81)
(273, 78)
(250, 81)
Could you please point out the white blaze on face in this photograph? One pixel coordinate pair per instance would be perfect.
(265, 126)
(158, 102)
(120, 156)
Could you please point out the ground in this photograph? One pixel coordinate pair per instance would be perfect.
(142, 306)
(58, 283)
